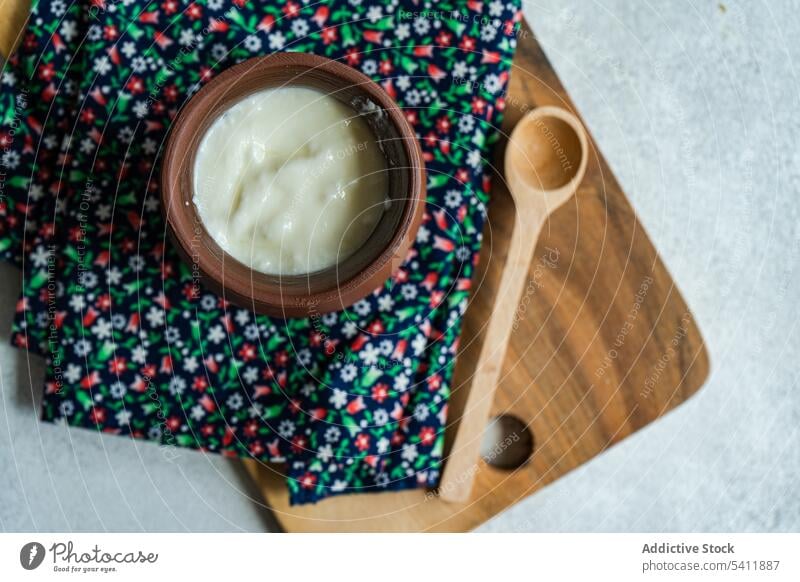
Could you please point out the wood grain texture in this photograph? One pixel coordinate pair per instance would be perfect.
(13, 15)
(589, 362)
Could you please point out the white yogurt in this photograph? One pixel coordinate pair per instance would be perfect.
(290, 181)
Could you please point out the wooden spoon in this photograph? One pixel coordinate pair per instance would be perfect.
(545, 162)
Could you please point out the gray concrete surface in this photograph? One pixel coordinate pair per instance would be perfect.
(696, 106)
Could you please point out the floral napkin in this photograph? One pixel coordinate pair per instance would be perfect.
(352, 401)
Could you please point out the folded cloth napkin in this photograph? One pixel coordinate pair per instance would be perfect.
(352, 401)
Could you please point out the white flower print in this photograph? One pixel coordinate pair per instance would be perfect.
(418, 344)
(190, 364)
(370, 67)
(380, 417)
(102, 65)
(350, 329)
(128, 49)
(139, 354)
(82, 347)
(286, 429)
(10, 159)
(250, 375)
(216, 334)
(348, 372)
(123, 417)
(252, 43)
(410, 452)
(474, 158)
(300, 27)
(72, 373)
(66, 408)
(155, 316)
(40, 256)
(421, 25)
(453, 198)
(208, 302)
(339, 485)
(117, 390)
(177, 385)
(325, 453)
(408, 291)
(421, 412)
(402, 31)
(198, 412)
(369, 353)
(338, 398)
(362, 307)
(423, 234)
(333, 434)
(276, 41)
(488, 32)
(386, 347)
(401, 382)
(383, 445)
(102, 328)
(140, 109)
(235, 401)
(330, 318)
(374, 13)
(69, 30)
(385, 303)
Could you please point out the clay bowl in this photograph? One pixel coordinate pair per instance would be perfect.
(355, 276)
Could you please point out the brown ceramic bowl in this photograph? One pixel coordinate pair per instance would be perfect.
(354, 277)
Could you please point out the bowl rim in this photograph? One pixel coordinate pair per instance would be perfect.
(232, 279)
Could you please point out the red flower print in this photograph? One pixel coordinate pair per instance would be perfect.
(308, 480)
(248, 352)
(98, 415)
(256, 448)
(117, 365)
(47, 72)
(169, 7)
(329, 34)
(173, 423)
(251, 428)
(386, 67)
(90, 380)
(380, 392)
(443, 124)
(427, 435)
(199, 383)
(478, 105)
(434, 382)
(135, 85)
(110, 32)
(87, 115)
(376, 327)
(353, 56)
(467, 44)
(194, 11)
(299, 443)
(362, 442)
(291, 9)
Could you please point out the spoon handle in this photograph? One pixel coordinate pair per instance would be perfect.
(459, 470)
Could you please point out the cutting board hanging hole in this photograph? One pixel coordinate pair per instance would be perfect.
(507, 443)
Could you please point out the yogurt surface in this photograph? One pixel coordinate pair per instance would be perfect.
(290, 181)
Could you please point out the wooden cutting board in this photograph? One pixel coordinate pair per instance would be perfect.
(604, 345)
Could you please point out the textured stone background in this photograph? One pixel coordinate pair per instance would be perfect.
(696, 107)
